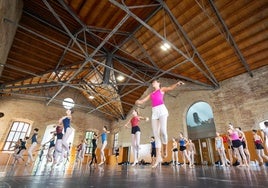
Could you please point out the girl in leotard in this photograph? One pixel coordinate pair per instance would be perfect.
(259, 147)
(244, 143)
(175, 158)
(237, 145)
(159, 117)
(183, 142)
(191, 151)
(265, 135)
(104, 143)
(94, 144)
(219, 146)
(66, 122)
(32, 147)
(135, 134)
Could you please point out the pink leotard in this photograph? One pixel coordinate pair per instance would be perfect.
(157, 98)
(135, 121)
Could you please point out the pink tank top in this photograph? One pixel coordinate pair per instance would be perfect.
(234, 136)
(157, 98)
(135, 121)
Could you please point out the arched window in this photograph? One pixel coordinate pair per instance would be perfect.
(18, 130)
(200, 121)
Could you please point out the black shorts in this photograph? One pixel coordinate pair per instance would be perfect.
(182, 148)
(153, 153)
(176, 149)
(244, 144)
(236, 143)
(259, 146)
(135, 129)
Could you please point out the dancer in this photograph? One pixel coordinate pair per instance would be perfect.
(116, 154)
(94, 144)
(230, 150)
(58, 145)
(183, 143)
(104, 143)
(153, 151)
(81, 149)
(19, 152)
(68, 130)
(175, 158)
(159, 117)
(32, 147)
(244, 143)
(237, 145)
(219, 146)
(135, 134)
(51, 148)
(259, 147)
(191, 151)
(265, 135)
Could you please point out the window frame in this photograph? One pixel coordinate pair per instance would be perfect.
(89, 135)
(17, 131)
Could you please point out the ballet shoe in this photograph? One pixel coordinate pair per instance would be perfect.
(157, 162)
(101, 163)
(135, 162)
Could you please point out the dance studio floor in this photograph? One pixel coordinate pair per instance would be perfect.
(138, 176)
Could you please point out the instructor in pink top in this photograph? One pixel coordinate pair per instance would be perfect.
(159, 117)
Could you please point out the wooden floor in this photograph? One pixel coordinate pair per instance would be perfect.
(73, 176)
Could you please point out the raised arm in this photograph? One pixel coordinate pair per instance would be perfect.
(141, 101)
(143, 118)
(172, 87)
(126, 125)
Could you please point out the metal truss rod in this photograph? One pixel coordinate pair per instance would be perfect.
(231, 41)
(45, 38)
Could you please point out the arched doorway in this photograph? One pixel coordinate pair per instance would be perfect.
(201, 130)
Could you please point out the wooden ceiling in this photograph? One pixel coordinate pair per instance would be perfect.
(86, 44)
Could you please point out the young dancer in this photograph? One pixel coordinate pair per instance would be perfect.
(153, 151)
(135, 134)
(244, 143)
(183, 143)
(104, 143)
(237, 145)
(81, 149)
(265, 135)
(66, 122)
(230, 150)
(94, 144)
(18, 154)
(159, 117)
(51, 148)
(32, 147)
(219, 146)
(259, 147)
(58, 145)
(175, 158)
(191, 151)
(116, 154)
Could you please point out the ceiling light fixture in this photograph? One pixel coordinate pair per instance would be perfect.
(91, 97)
(120, 78)
(165, 46)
